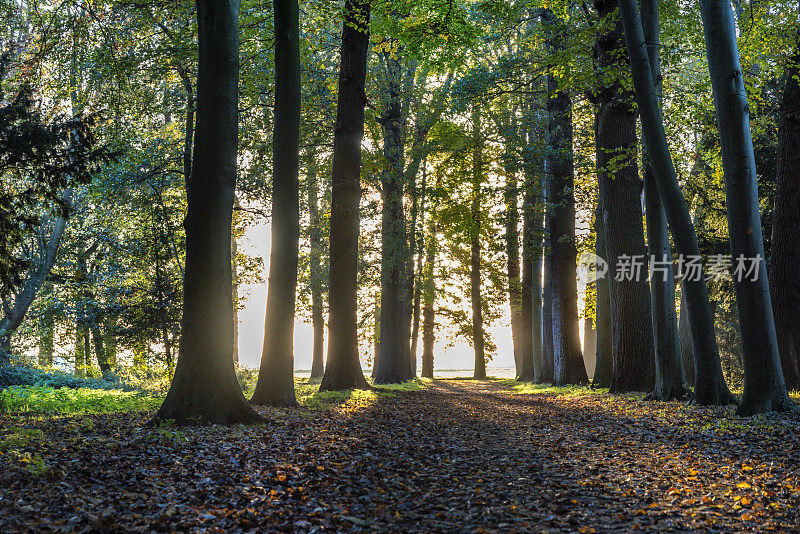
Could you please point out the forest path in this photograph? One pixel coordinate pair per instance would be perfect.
(460, 455)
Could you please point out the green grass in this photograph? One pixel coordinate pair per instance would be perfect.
(308, 394)
(567, 391)
(47, 400)
(67, 401)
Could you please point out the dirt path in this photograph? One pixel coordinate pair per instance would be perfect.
(458, 456)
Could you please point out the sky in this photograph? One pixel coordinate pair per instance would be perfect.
(256, 242)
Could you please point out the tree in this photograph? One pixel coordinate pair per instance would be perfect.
(619, 200)
(710, 387)
(764, 386)
(669, 377)
(568, 361)
(393, 362)
(479, 372)
(204, 389)
(315, 267)
(343, 369)
(276, 377)
(604, 360)
(784, 261)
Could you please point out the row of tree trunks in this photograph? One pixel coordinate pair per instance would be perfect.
(710, 384)
(670, 382)
(620, 207)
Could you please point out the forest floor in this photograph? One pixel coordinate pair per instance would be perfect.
(455, 455)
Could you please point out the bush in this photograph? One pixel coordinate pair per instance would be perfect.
(23, 375)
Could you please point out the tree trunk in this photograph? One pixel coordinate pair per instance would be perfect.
(315, 268)
(521, 348)
(604, 360)
(764, 386)
(204, 389)
(275, 385)
(670, 380)
(710, 387)
(13, 318)
(475, 248)
(546, 376)
(235, 293)
(429, 299)
(532, 228)
(343, 369)
(619, 199)
(47, 323)
(784, 262)
(568, 365)
(393, 363)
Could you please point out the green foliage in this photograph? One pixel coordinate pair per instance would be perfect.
(22, 376)
(49, 400)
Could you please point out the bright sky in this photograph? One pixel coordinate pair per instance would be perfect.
(256, 242)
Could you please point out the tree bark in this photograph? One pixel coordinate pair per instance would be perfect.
(343, 369)
(784, 262)
(532, 229)
(475, 248)
(546, 375)
(764, 386)
(275, 385)
(429, 299)
(315, 268)
(670, 382)
(568, 365)
(710, 387)
(604, 359)
(619, 199)
(393, 363)
(46, 337)
(518, 333)
(204, 389)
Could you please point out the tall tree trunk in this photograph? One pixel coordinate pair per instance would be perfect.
(764, 386)
(548, 364)
(710, 386)
(315, 268)
(567, 358)
(784, 262)
(475, 247)
(512, 259)
(604, 360)
(620, 191)
(429, 299)
(235, 293)
(393, 363)
(204, 388)
(669, 380)
(532, 228)
(343, 369)
(417, 248)
(275, 385)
